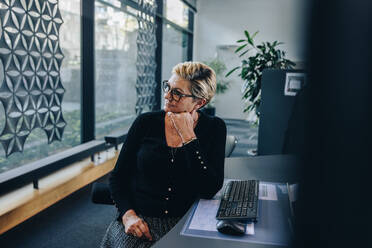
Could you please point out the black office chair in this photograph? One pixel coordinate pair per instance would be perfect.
(101, 192)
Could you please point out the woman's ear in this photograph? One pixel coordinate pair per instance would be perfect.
(201, 103)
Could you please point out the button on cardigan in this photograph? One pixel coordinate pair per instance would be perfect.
(154, 181)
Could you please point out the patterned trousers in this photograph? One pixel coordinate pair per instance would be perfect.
(115, 236)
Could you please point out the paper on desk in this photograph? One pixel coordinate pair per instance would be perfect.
(267, 192)
(205, 217)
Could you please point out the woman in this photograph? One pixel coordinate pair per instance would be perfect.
(169, 159)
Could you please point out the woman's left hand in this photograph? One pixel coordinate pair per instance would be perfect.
(184, 124)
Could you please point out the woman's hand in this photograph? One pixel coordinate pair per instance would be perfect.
(184, 124)
(135, 226)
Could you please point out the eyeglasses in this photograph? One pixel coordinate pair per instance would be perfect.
(175, 94)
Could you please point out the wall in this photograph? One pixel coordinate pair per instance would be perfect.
(220, 23)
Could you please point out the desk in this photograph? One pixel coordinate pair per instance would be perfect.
(274, 168)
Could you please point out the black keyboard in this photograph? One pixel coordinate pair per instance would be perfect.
(239, 201)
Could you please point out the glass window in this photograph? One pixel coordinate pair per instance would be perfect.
(174, 50)
(36, 145)
(176, 11)
(115, 65)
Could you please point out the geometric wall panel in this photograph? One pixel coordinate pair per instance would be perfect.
(31, 90)
(146, 63)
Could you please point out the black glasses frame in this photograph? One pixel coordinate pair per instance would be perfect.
(174, 91)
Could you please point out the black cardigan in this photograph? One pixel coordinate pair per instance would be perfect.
(145, 178)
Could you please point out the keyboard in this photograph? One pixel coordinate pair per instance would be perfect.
(239, 201)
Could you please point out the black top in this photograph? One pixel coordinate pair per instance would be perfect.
(145, 178)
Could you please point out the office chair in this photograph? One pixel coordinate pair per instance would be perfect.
(101, 193)
(231, 142)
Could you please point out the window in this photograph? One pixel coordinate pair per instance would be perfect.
(115, 64)
(175, 45)
(36, 145)
(177, 12)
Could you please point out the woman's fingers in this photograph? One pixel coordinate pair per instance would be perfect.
(140, 229)
(176, 126)
(138, 232)
(134, 229)
(182, 118)
(145, 230)
(183, 123)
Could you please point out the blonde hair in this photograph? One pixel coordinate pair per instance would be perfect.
(202, 78)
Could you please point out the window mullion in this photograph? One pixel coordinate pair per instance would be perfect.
(87, 62)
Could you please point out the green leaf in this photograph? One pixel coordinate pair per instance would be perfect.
(250, 41)
(244, 72)
(247, 34)
(241, 41)
(254, 34)
(244, 53)
(262, 48)
(240, 48)
(228, 74)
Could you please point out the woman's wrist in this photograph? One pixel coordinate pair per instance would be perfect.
(187, 136)
(189, 140)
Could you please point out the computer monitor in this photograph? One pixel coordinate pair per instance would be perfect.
(278, 96)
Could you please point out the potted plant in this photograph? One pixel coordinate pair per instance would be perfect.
(222, 84)
(263, 56)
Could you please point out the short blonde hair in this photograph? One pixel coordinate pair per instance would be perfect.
(202, 78)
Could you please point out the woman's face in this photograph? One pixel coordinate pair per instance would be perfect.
(186, 104)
